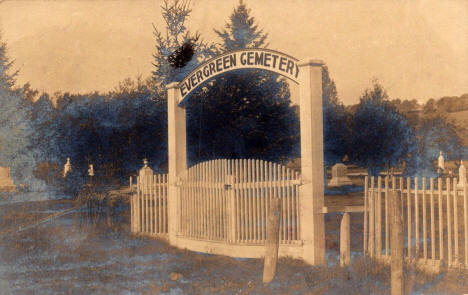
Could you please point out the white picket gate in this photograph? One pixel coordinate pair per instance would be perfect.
(229, 200)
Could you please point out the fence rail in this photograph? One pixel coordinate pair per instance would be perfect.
(435, 218)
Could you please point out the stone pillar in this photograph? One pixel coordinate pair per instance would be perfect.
(311, 191)
(177, 155)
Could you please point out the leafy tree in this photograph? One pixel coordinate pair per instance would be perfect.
(246, 113)
(381, 136)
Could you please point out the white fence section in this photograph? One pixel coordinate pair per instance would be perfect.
(222, 201)
(229, 200)
(435, 218)
(149, 205)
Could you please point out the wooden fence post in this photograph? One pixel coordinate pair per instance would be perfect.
(272, 240)
(371, 202)
(396, 244)
(465, 215)
(366, 214)
(345, 242)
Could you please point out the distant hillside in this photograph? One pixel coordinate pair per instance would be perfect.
(460, 119)
(449, 104)
(454, 108)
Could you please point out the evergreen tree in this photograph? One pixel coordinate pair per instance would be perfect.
(178, 52)
(245, 113)
(7, 78)
(241, 32)
(15, 127)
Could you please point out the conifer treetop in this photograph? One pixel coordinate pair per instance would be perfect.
(241, 32)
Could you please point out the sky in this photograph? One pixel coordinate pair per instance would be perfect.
(415, 49)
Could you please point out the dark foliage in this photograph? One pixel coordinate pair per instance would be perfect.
(114, 132)
(182, 55)
(434, 134)
(245, 114)
(242, 114)
(336, 127)
(381, 136)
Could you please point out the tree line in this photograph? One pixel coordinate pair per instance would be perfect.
(241, 114)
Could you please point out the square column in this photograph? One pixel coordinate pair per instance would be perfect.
(177, 156)
(311, 191)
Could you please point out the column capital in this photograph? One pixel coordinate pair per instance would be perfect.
(311, 62)
(172, 85)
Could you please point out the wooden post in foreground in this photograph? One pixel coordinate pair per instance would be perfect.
(345, 242)
(272, 241)
(396, 244)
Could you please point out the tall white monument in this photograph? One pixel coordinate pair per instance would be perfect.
(440, 163)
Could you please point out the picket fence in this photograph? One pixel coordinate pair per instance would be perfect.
(435, 220)
(149, 205)
(221, 200)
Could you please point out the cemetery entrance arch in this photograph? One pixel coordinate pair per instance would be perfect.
(311, 232)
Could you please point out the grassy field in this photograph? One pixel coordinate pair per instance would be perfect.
(72, 255)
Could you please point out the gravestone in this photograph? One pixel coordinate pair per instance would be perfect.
(146, 175)
(6, 183)
(90, 170)
(339, 176)
(461, 176)
(146, 171)
(440, 163)
(67, 168)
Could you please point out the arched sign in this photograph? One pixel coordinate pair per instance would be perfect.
(257, 58)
